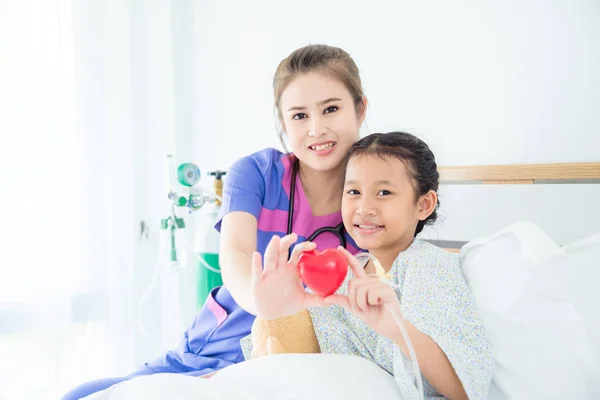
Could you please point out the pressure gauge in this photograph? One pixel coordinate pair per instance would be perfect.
(188, 174)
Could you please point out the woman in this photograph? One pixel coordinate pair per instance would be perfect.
(320, 106)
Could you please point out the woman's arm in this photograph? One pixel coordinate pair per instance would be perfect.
(237, 244)
(273, 292)
(433, 363)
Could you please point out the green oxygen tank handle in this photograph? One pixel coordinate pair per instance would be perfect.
(188, 174)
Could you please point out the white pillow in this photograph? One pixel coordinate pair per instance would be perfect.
(311, 377)
(584, 265)
(519, 278)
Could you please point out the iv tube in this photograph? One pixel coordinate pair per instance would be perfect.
(167, 176)
(398, 318)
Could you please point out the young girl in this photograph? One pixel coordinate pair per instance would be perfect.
(389, 196)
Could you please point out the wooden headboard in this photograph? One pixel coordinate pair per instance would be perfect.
(520, 174)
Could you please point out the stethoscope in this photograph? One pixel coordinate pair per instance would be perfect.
(336, 230)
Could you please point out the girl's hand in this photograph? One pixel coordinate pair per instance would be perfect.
(277, 289)
(370, 299)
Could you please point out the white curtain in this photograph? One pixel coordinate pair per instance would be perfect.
(93, 94)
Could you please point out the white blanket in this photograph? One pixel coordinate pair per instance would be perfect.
(275, 377)
(170, 386)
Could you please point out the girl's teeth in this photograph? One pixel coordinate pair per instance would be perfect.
(322, 146)
(367, 227)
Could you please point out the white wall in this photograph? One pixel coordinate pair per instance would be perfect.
(136, 64)
(162, 72)
(482, 82)
(565, 212)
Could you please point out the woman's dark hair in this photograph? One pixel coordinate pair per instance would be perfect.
(409, 149)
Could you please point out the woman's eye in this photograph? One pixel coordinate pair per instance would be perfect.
(331, 109)
(384, 192)
(353, 192)
(299, 116)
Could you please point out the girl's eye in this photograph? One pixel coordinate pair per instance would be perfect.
(353, 192)
(299, 116)
(384, 192)
(331, 109)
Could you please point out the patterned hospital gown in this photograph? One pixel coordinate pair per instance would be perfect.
(435, 298)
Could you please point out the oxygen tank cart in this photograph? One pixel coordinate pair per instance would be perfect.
(206, 244)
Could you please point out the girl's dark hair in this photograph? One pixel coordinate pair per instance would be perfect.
(409, 149)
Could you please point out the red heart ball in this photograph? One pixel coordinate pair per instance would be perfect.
(323, 271)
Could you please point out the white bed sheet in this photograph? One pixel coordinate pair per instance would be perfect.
(276, 377)
(171, 386)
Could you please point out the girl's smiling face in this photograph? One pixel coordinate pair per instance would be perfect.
(379, 206)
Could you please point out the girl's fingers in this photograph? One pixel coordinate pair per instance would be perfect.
(355, 266)
(271, 255)
(376, 295)
(338, 300)
(256, 267)
(299, 249)
(383, 294)
(362, 292)
(352, 285)
(314, 300)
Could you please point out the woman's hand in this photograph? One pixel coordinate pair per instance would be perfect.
(277, 289)
(209, 375)
(370, 299)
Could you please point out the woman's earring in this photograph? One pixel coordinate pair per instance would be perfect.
(364, 129)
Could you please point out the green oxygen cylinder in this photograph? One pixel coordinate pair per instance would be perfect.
(206, 244)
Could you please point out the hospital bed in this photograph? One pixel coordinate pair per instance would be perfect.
(543, 193)
(532, 282)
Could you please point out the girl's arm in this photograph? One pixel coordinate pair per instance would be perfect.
(445, 320)
(433, 363)
(238, 243)
(445, 327)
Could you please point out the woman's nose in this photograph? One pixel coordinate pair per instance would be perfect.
(317, 127)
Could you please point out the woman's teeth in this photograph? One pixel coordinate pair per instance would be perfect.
(369, 226)
(323, 146)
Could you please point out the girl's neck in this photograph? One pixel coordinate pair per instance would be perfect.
(387, 256)
(323, 189)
